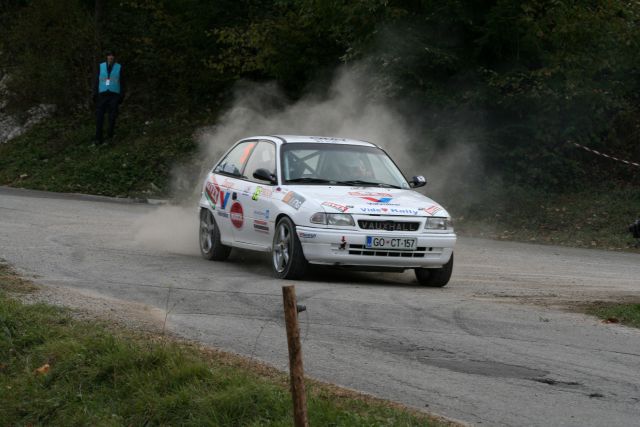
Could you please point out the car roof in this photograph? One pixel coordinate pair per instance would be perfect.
(285, 139)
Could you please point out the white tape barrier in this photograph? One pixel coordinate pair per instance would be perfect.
(605, 155)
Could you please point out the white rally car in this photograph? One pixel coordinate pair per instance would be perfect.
(320, 200)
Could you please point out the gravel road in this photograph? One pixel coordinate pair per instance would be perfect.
(497, 346)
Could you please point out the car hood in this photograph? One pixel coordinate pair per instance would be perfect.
(377, 201)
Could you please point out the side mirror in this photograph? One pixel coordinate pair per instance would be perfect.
(264, 175)
(418, 181)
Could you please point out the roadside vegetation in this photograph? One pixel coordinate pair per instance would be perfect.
(57, 370)
(625, 314)
(59, 155)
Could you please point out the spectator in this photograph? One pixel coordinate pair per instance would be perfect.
(108, 94)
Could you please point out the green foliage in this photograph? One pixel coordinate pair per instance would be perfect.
(569, 79)
(47, 53)
(293, 42)
(164, 46)
(523, 77)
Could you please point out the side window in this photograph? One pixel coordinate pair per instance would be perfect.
(233, 163)
(263, 156)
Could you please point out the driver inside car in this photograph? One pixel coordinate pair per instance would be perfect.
(360, 171)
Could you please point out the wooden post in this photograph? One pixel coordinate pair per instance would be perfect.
(295, 357)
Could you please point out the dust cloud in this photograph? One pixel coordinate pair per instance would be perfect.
(347, 110)
(169, 228)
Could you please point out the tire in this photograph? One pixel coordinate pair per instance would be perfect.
(211, 247)
(435, 277)
(288, 260)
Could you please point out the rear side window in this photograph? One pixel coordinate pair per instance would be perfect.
(263, 156)
(234, 161)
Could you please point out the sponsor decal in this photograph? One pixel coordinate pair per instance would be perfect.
(212, 191)
(373, 210)
(264, 213)
(369, 194)
(293, 199)
(260, 191)
(383, 210)
(223, 214)
(343, 244)
(224, 198)
(304, 235)
(377, 200)
(261, 226)
(237, 217)
(256, 194)
(337, 206)
(328, 139)
(403, 211)
(433, 209)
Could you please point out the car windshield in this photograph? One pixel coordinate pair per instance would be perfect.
(339, 164)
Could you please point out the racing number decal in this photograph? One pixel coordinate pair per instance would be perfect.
(293, 199)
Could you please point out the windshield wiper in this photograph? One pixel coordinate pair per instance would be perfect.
(309, 179)
(367, 183)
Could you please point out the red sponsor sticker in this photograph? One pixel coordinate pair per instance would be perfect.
(365, 194)
(213, 191)
(433, 209)
(236, 215)
(337, 206)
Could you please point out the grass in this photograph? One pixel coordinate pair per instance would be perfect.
(57, 155)
(625, 314)
(595, 218)
(99, 374)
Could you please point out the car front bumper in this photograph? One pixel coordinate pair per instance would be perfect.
(347, 247)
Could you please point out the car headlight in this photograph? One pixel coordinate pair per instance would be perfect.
(438, 223)
(336, 219)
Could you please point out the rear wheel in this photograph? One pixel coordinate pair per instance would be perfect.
(435, 277)
(211, 247)
(288, 259)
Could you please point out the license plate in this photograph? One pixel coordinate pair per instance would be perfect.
(398, 243)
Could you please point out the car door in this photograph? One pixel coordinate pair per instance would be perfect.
(256, 200)
(228, 184)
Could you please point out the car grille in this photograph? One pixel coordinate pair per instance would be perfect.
(420, 252)
(378, 225)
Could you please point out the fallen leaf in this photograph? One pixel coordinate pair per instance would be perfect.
(43, 369)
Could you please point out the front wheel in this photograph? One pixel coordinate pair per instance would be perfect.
(211, 247)
(435, 277)
(288, 259)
